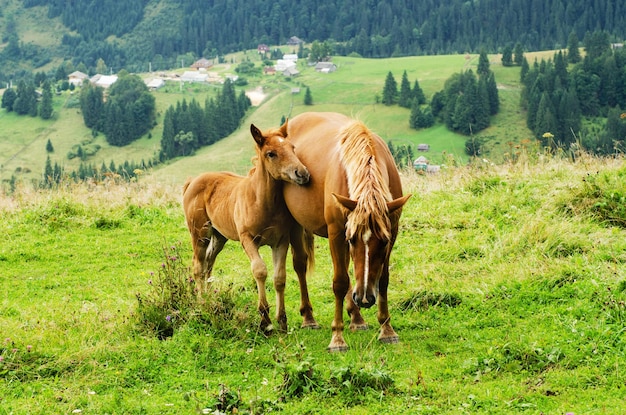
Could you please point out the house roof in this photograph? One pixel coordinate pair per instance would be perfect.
(193, 76)
(202, 63)
(103, 81)
(78, 74)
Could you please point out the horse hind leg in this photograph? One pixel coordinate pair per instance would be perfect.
(279, 258)
(206, 250)
(302, 251)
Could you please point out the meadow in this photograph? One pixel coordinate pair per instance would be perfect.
(508, 291)
(353, 89)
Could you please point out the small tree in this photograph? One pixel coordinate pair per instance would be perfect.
(308, 98)
(404, 99)
(507, 56)
(483, 63)
(390, 90)
(45, 111)
(573, 52)
(49, 147)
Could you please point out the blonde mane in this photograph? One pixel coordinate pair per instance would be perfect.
(366, 185)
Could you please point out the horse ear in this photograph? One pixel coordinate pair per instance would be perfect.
(257, 135)
(397, 203)
(283, 128)
(345, 202)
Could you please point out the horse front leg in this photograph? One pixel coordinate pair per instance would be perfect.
(279, 259)
(259, 272)
(387, 333)
(341, 283)
(303, 251)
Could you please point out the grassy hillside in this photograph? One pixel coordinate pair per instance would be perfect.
(352, 90)
(508, 289)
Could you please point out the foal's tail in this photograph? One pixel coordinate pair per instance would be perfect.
(309, 248)
(186, 185)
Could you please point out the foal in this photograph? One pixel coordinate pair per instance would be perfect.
(221, 206)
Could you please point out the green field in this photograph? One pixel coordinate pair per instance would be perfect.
(352, 90)
(507, 290)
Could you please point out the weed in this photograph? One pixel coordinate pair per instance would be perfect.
(423, 300)
(172, 299)
(602, 196)
(515, 357)
(299, 377)
(613, 304)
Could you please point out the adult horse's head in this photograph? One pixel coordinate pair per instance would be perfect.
(369, 233)
(277, 154)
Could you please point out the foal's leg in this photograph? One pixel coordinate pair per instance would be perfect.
(259, 271)
(279, 258)
(207, 244)
(302, 251)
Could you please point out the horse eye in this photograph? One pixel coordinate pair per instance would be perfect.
(271, 154)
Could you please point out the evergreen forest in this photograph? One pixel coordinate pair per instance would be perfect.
(132, 34)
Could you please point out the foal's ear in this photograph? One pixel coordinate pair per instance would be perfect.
(283, 128)
(257, 135)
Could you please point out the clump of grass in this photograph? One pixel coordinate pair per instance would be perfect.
(173, 302)
(423, 300)
(353, 383)
(602, 196)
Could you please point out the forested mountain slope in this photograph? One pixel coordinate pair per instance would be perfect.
(132, 33)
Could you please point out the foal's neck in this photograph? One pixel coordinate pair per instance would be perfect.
(266, 187)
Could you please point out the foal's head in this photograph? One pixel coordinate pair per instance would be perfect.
(277, 154)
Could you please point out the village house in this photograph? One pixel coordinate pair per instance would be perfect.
(262, 49)
(325, 67)
(283, 64)
(294, 41)
(76, 78)
(202, 64)
(193, 76)
(104, 81)
(154, 83)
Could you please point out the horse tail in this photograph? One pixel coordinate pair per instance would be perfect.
(309, 248)
(186, 185)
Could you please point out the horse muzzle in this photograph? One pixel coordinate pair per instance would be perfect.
(366, 301)
(301, 176)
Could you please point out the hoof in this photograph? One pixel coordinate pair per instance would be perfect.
(359, 327)
(389, 340)
(337, 349)
(311, 325)
(267, 330)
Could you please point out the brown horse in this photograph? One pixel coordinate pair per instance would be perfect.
(354, 198)
(223, 206)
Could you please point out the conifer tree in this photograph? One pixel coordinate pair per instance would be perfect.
(45, 111)
(518, 54)
(390, 90)
(573, 51)
(308, 98)
(8, 99)
(49, 147)
(507, 56)
(418, 94)
(404, 99)
(483, 64)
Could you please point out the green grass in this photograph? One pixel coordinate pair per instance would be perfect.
(508, 289)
